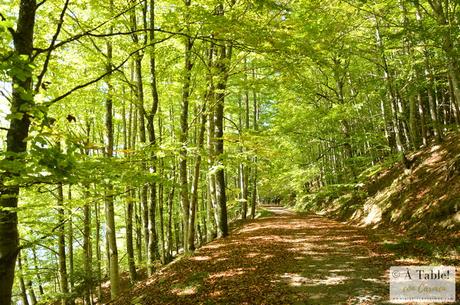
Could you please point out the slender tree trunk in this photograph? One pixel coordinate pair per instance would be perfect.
(391, 92)
(244, 168)
(33, 297)
(153, 236)
(202, 212)
(139, 93)
(98, 250)
(129, 204)
(413, 122)
(454, 102)
(211, 216)
(212, 212)
(16, 144)
(255, 118)
(161, 212)
(63, 279)
(196, 179)
(37, 271)
(22, 284)
(442, 14)
(70, 237)
(130, 239)
(161, 197)
(109, 198)
(169, 227)
(224, 56)
(87, 250)
(183, 138)
(389, 130)
(28, 282)
(138, 228)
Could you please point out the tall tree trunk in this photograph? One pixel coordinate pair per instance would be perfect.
(244, 168)
(22, 284)
(222, 67)
(255, 118)
(138, 228)
(33, 297)
(413, 122)
(196, 179)
(442, 14)
(161, 196)
(87, 250)
(169, 227)
(130, 239)
(211, 216)
(153, 236)
(161, 202)
(139, 93)
(437, 131)
(63, 277)
(16, 144)
(454, 102)
(391, 91)
(421, 111)
(70, 237)
(183, 138)
(109, 198)
(28, 282)
(98, 237)
(129, 203)
(37, 271)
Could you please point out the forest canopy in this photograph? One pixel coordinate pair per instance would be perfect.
(135, 130)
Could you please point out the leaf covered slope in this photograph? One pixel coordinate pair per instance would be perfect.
(422, 201)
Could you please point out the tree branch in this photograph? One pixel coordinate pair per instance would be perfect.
(116, 68)
(10, 29)
(86, 33)
(41, 3)
(53, 41)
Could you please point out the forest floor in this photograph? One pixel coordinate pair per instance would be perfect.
(286, 258)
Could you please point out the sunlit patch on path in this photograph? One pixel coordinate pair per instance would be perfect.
(282, 259)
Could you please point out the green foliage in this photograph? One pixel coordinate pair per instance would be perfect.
(310, 77)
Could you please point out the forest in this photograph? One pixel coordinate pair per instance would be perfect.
(135, 132)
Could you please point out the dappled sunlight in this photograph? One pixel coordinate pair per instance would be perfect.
(221, 259)
(374, 280)
(185, 291)
(366, 299)
(298, 258)
(230, 273)
(252, 227)
(330, 280)
(216, 293)
(200, 258)
(374, 214)
(212, 246)
(296, 280)
(272, 238)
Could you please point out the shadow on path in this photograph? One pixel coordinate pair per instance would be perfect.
(282, 259)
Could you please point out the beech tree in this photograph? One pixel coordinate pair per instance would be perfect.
(175, 118)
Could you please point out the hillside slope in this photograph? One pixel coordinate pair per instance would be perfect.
(420, 203)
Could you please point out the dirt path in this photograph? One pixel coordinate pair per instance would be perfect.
(283, 259)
